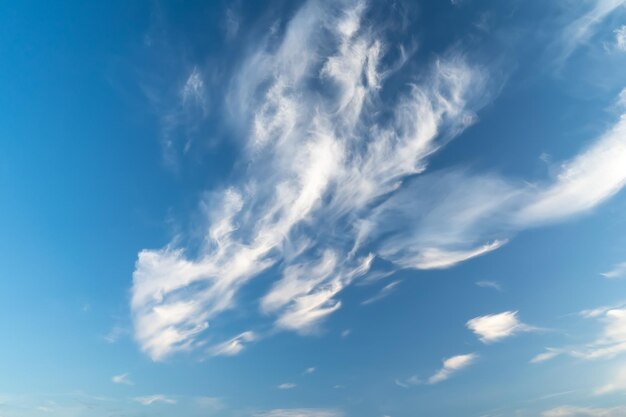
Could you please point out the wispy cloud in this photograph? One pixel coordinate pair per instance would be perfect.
(115, 334)
(495, 327)
(618, 271)
(324, 155)
(384, 292)
(451, 366)
(571, 411)
(616, 384)
(123, 379)
(193, 92)
(610, 343)
(620, 38)
(300, 412)
(582, 183)
(287, 385)
(342, 162)
(582, 29)
(612, 339)
(309, 371)
(154, 399)
(232, 22)
(233, 346)
(549, 354)
(489, 284)
(406, 383)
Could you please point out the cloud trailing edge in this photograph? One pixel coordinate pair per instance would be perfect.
(331, 177)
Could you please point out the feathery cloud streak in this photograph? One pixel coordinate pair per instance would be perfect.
(451, 366)
(569, 411)
(610, 343)
(324, 154)
(328, 182)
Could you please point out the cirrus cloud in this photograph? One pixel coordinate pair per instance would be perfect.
(332, 176)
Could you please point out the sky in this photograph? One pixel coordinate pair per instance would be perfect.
(313, 208)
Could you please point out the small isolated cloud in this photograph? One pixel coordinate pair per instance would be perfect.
(451, 366)
(620, 38)
(45, 409)
(115, 334)
(287, 385)
(309, 371)
(618, 271)
(300, 412)
(384, 292)
(213, 403)
(406, 383)
(154, 399)
(489, 284)
(495, 327)
(568, 411)
(123, 379)
(233, 346)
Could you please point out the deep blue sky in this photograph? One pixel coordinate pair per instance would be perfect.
(313, 209)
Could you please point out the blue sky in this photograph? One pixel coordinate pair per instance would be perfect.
(313, 209)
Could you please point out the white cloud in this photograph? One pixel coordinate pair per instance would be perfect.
(489, 284)
(584, 182)
(610, 343)
(406, 383)
(549, 354)
(621, 99)
(193, 91)
(324, 158)
(583, 28)
(569, 411)
(456, 218)
(597, 312)
(154, 399)
(115, 334)
(287, 385)
(620, 38)
(434, 258)
(300, 412)
(233, 346)
(616, 384)
(612, 340)
(122, 379)
(384, 292)
(495, 327)
(212, 403)
(327, 183)
(618, 271)
(309, 371)
(451, 366)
